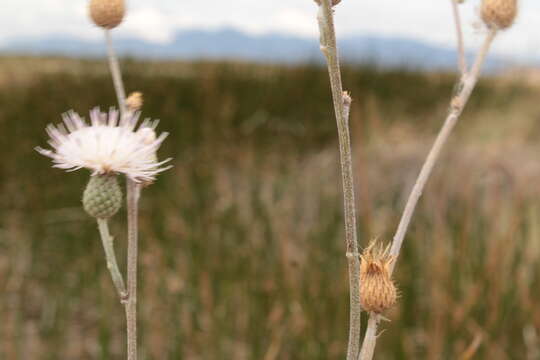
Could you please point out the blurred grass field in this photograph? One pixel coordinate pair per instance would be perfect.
(242, 251)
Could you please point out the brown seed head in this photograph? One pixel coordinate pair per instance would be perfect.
(377, 291)
(135, 101)
(499, 14)
(107, 14)
(334, 2)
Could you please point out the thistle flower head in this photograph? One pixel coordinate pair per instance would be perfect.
(107, 14)
(499, 14)
(377, 291)
(107, 145)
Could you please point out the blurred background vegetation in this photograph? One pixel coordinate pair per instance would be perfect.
(242, 250)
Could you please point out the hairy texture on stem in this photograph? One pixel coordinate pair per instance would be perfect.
(466, 85)
(342, 103)
(116, 74)
(110, 256)
(133, 193)
(368, 346)
(462, 62)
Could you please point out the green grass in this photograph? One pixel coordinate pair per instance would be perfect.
(242, 250)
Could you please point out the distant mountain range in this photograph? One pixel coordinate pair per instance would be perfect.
(273, 48)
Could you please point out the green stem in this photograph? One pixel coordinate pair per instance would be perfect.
(110, 256)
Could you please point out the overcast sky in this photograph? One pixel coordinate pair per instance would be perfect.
(157, 20)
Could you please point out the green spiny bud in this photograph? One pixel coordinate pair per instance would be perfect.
(102, 197)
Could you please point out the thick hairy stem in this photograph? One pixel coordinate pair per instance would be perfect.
(342, 107)
(462, 62)
(115, 73)
(465, 87)
(133, 193)
(110, 256)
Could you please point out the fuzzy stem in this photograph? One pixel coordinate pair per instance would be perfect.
(368, 347)
(110, 256)
(133, 193)
(465, 87)
(116, 73)
(342, 103)
(462, 62)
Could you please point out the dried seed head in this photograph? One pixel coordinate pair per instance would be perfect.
(499, 14)
(102, 197)
(135, 101)
(334, 2)
(107, 14)
(377, 291)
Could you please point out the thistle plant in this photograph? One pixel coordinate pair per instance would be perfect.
(375, 289)
(342, 104)
(108, 14)
(107, 146)
(111, 144)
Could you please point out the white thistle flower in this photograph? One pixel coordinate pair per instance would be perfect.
(106, 145)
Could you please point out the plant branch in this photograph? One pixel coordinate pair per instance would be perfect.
(462, 62)
(342, 103)
(370, 338)
(466, 85)
(110, 256)
(133, 193)
(116, 73)
(465, 88)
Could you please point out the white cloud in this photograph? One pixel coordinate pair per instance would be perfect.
(294, 21)
(428, 20)
(150, 24)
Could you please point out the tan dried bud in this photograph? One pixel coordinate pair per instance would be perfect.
(377, 290)
(107, 14)
(499, 14)
(334, 2)
(135, 101)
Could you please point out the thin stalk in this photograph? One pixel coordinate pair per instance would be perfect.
(465, 88)
(110, 256)
(342, 103)
(370, 338)
(115, 73)
(466, 85)
(462, 62)
(133, 193)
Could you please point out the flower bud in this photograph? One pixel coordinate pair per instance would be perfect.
(377, 291)
(135, 101)
(102, 197)
(107, 14)
(499, 14)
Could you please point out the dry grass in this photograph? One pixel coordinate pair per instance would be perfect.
(242, 253)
